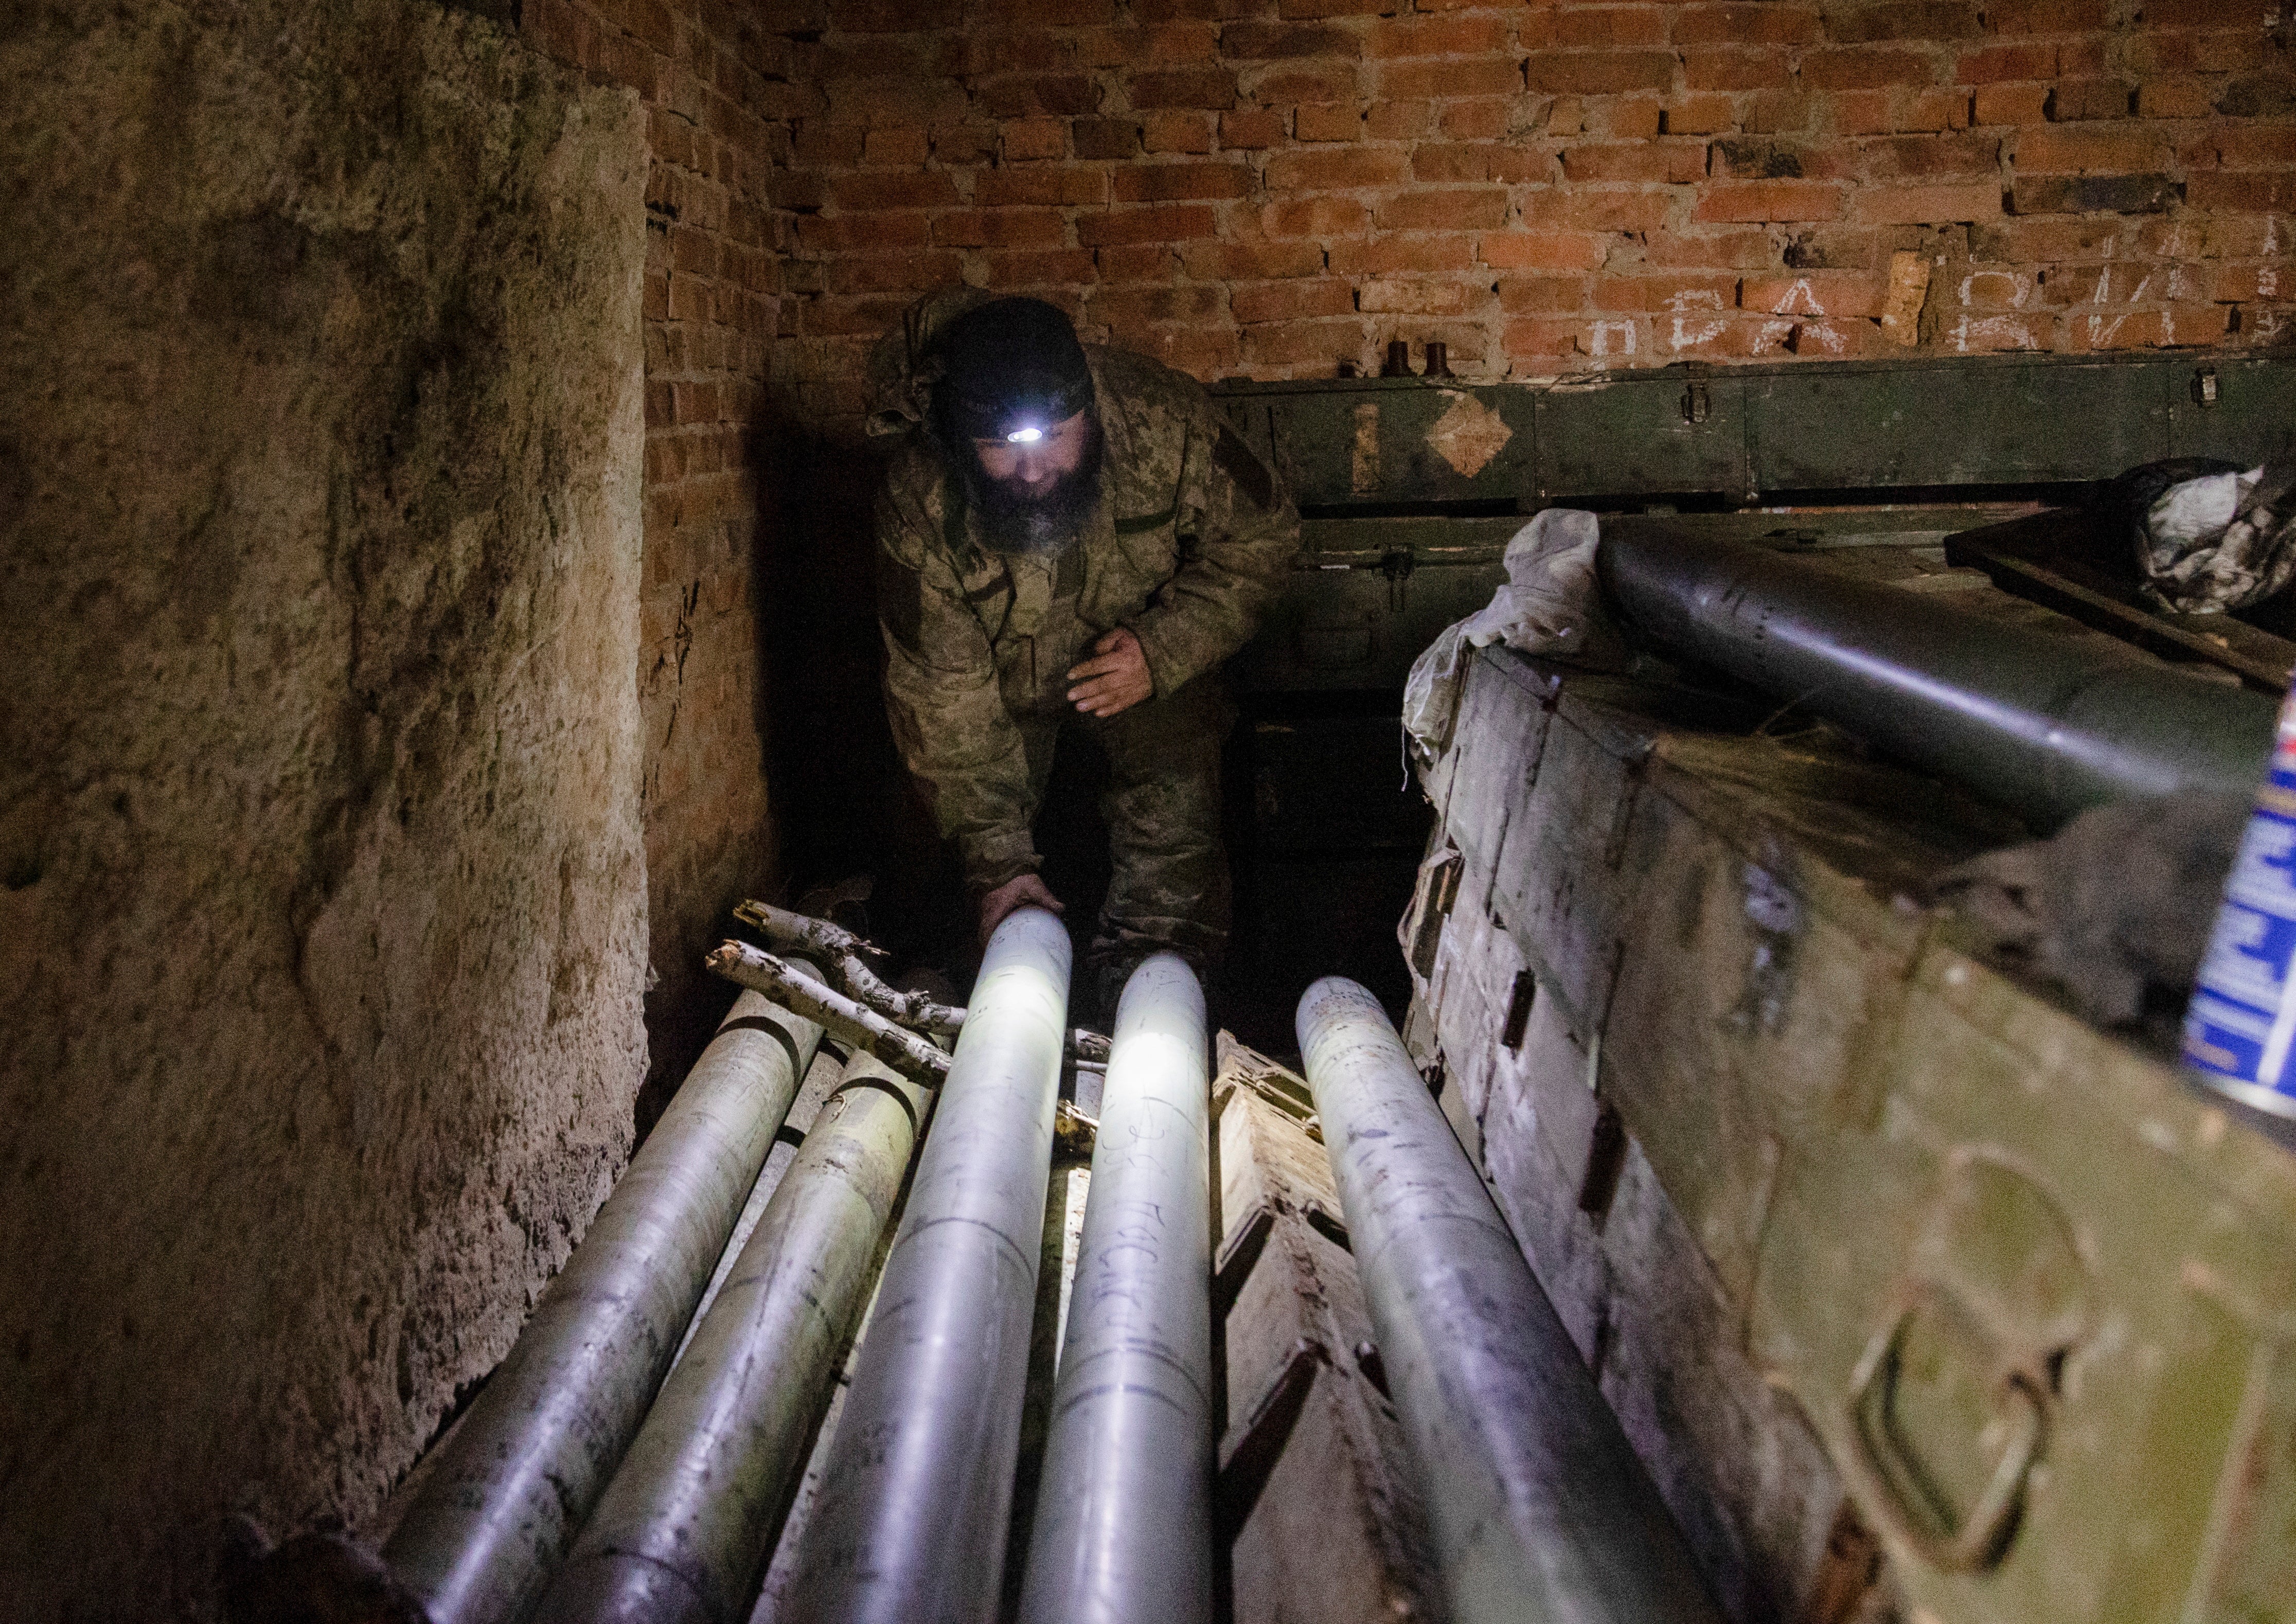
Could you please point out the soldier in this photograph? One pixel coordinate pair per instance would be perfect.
(1073, 540)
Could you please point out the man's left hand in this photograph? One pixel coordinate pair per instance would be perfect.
(1115, 678)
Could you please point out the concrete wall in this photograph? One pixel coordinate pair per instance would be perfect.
(322, 888)
(1273, 187)
(714, 80)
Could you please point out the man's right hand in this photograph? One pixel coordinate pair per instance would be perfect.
(1020, 891)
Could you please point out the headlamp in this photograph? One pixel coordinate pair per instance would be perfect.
(1025, 437)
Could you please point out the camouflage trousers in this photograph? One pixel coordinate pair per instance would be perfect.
(1169, 884)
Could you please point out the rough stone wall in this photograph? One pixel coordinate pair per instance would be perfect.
(322, 888)
(713, 79)
(1273, 187)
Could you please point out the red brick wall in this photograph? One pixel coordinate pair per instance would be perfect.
(1271, 187)
(714, 80)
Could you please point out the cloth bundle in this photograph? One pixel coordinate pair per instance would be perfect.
(1551, 606)
(2210, 537)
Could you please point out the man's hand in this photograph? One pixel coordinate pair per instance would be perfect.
(1020, 891)
(1116, 678)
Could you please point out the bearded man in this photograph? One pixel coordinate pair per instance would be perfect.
(1072, 541)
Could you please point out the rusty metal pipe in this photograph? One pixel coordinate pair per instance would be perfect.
(1538, 1504)
(498, 1512)
(1123, 1525)
(2045, 725)
(910, 1522)
(681, 1534)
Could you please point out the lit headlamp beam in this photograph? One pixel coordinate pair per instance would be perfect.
(1025, 437)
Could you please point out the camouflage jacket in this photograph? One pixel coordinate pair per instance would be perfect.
(1191, 538)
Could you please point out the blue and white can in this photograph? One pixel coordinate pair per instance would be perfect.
(2242, 1020)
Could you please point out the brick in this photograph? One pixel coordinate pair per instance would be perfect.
(2082, 99)
(1137, 262)
(2256, 191)
(1323, 218)
(1750, 158)
(1984, 334)
(870, 315)
(1159, 222)
(1201, 352)
(1323, 343)
(1864, 112)
(1928, 205)
(1025, 139)
(1770, 200)
(2185, 97)
(1106, 137)
(1330, 169)
(1935, 110)
(1770, 112)
(1048, 267)
(1484, 119)
(2254, 147)
(1167, 183)
(1590, 209)
(1040, 183)
(1420, 296)
(1475, 35)
(901, 144)
(2147, 328)
(1841, 295)
(1703, 331)
(1997, 64)
(1633, 118)
(1409, 120)
(1022, 95)
(892, 273)
(1926, 157)
(1251, 131)
(2019, 242)
(2200, 13)
(1176, 132)
(2082, 150)
(1250, 261)
(1655, 293)
(1745, 25)
(1451, 208)
(1542, 251)
(2244, 283)
(1274, 86)
(1405, 80)
(2046, 16)
(1677, 163)
(1266, 41)
(1207, 88)
(1001, 228)
(1765, 68)
(1139, 307)
(1540, 338)
(1542, 295)
(1331, 121)
(2010, 104)
(1700, 113)
(2258, 96)
(1922, 19)
(1284, 301)
(1480, 160)
(1390, 253)
(866, 193)
(1593, 27)
(1713, 249)
(2097, 193)
(1867, 67)
(819, 233)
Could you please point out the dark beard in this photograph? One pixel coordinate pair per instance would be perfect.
(1043, 525)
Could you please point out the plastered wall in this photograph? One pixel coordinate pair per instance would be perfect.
(323, 919)
(712, 79)
(1278, 187)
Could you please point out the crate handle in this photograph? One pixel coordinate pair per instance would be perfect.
(1883, 1479)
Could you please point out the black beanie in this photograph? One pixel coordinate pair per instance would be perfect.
(1009, 366)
